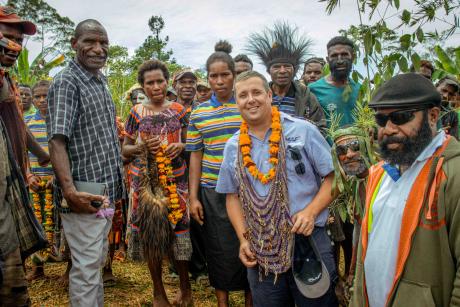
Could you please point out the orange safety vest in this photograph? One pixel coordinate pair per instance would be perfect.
(421, 189)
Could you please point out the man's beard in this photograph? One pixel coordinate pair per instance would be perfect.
(411, 147)
(355, 171)
(340, 75)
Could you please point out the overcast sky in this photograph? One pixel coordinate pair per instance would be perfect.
(194, 26)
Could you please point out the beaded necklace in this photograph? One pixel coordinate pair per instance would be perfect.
(268, 218)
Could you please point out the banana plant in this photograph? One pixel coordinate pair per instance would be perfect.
(446, 64)
(30, 72)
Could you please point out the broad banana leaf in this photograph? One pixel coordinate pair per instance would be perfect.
(55, 62)
(23, 67)
(446, 62)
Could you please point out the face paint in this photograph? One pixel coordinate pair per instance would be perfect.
(340, 68)
(340, 59)
(141, 98)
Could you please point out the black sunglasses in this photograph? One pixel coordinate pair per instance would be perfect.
(397, 117)
(343, 148)
(296, 156)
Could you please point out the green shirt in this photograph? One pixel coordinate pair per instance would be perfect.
(334, 99)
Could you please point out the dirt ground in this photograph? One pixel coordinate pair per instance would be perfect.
(133, 288)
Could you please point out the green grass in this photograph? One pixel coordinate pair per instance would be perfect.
(133, 288)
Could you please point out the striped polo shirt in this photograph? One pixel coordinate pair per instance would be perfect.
(211, 125)
(37, 126)
(285, 104)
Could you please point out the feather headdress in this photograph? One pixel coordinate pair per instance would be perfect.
(280, 44)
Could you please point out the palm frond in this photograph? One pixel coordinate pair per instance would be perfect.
(331, 5)
(335, 119)
(363, 116)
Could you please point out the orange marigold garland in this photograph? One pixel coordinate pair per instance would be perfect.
(166, 177)
(37, 206)
(45, 215)
(274, 141)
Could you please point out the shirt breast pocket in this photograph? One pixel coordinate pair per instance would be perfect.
(92, 103)
(296, 160)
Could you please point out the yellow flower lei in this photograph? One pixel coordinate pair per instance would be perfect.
(45, 217)
(274, 141)
(166, 178)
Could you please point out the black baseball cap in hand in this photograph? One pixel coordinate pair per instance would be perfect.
(310, 272)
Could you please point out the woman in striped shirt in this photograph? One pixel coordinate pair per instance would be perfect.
(212, 123)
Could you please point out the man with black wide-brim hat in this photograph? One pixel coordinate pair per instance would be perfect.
(409, 251)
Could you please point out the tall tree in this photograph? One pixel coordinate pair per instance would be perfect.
(121, 76)
(54, 30)
(154, 45)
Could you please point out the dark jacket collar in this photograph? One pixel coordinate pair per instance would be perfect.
(291, 91)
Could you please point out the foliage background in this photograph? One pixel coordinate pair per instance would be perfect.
(54, 33)
(386, 50)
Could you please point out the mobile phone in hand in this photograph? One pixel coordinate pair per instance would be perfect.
(94, 188)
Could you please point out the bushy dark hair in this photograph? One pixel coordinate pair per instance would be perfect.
(341, 40)
(41, 83)
(222, 54)
(151, 65)
(243, 58)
